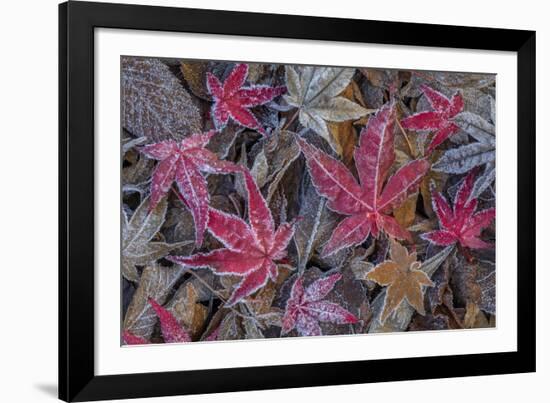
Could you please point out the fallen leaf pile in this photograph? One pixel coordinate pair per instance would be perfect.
(268, 201)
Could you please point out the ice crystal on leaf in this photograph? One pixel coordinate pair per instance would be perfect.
(438, 120)
(250, 249)
(172, 331)
(367, 204)
(232, 100)
(182, 163)
(305, 308)
(404, 280)
(461, 223)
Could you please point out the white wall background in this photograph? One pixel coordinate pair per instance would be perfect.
(28, 199)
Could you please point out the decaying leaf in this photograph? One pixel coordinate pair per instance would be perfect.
(403, 278)
(156, 105)
(401, 317)
(314, 91)
(156, 282)
(138, 246)
(464, 158)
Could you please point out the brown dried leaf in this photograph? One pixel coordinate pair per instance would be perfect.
(154, 103)
(156, 282)
(187, 310)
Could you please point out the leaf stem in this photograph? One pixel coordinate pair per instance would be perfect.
(291, 120)
(413, 154)
(217, 294)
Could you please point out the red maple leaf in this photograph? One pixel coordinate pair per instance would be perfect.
(305, 308)
(460, 224)
(233, 100)
(131, 339)
(368, 204)
(172, 331)
(250, 250)
(439, 119)
(183, 164)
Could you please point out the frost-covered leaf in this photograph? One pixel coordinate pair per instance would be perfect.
(306, 307)
(368, 203)
(187, 309)
(154, 103)
(156, 282)
(183, 163)
(461, 223)
(403, 279)
(315, 92)
(439, 120)
(401, 317)
(250, 249)
(138, 246)
(232, 100)
(172, 331)
(464, 158)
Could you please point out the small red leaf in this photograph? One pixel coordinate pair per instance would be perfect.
(233, 101)
(460, 224)
(172, 331)
(440, 119)
(131, 339)
(304, 309)
(183, 164)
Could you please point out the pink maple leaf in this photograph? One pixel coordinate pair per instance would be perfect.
(233, 100)
(183, 164)
(172, 331)
(131, 339)
(367, 204)
(305, 308)
(250, 249)
(439, 119)
(460, 224)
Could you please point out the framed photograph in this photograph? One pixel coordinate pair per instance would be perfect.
(258, 201)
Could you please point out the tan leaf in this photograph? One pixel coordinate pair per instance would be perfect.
(187, 310)
(404, 280)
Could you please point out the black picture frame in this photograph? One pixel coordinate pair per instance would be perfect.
(77, 379)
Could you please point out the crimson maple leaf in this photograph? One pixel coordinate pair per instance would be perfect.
(233, 100)
(250, 250)
(440, 119)
(183, 164)
(369, 203)
(172, 331)
(460, 224)
(305, 307)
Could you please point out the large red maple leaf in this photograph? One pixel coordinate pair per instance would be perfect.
(305, 308)
(183, 164)
(250, 250)
(233, 100)
(460, 224)
(440, 119)
(370, 203)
